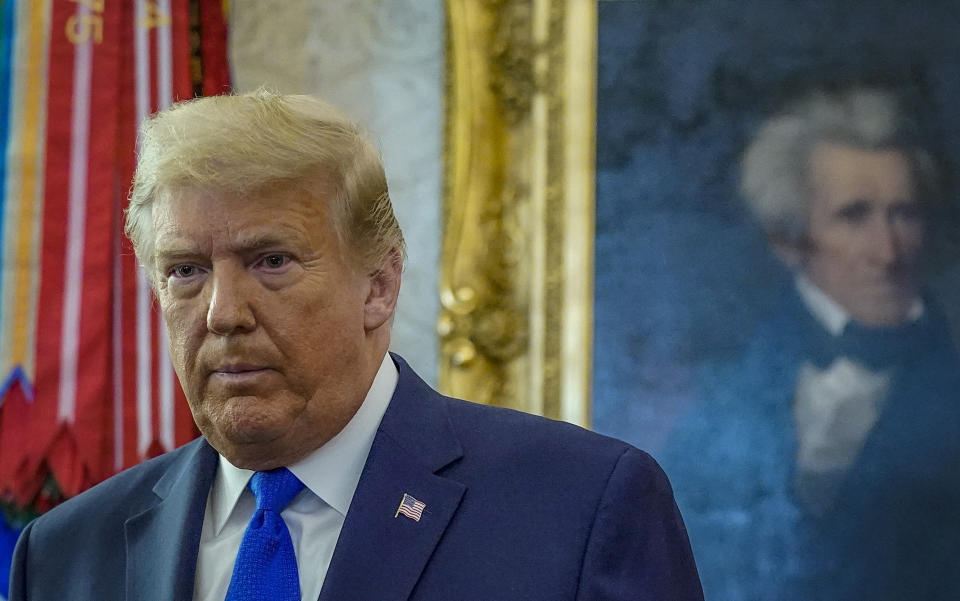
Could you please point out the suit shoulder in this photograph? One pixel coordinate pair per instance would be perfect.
(515, 436)
(119, 496)
(498, 436)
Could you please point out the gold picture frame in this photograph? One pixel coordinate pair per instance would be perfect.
(516, 276)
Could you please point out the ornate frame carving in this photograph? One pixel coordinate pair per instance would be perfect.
(516, 280)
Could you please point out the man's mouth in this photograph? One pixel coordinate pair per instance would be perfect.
(239, 372)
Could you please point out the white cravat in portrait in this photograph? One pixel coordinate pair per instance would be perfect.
(834, 408)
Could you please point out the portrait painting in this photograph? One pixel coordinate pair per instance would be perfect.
(776, 285)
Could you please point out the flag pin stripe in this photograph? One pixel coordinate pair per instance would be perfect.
(410, 507)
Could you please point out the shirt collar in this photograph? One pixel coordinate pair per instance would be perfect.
(330, 472)
(830, 314)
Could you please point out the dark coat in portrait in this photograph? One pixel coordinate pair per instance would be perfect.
(890, 527)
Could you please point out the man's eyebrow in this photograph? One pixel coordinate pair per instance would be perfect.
(246, 244)
(261, 241)
(175, 248)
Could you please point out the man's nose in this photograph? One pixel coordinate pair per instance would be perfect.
(885, 243)
(230, 309)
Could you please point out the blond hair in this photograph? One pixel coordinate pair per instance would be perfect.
(242, 144)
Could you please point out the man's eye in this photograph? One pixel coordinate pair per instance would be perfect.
(275, 261)
(855, 212)
(183, 271)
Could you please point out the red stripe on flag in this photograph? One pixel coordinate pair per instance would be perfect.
(94, 382)
(213, 47)
(55, 210)
(126, 287)
(129, 324)
(182, 86)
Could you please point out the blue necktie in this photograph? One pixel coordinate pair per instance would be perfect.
(266, 566)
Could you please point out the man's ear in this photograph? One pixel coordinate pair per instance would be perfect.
(384, 288)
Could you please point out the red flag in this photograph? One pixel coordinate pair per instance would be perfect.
(104, 395)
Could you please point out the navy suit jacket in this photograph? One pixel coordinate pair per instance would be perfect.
(517, 507)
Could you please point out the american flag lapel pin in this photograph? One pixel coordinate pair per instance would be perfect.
(410, 507)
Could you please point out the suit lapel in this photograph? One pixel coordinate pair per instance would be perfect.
(162, 542)
(380, 555)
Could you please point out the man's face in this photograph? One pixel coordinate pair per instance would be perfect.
(866, 231)
(269, 322)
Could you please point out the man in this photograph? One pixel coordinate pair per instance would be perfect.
(265, 227)
(827, 459)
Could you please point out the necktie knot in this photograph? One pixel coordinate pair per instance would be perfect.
(275, 489)
(266, 566)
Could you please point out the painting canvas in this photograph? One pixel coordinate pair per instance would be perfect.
(778, 285)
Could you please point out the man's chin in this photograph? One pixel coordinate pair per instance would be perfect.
(246, 428)
(251, 452)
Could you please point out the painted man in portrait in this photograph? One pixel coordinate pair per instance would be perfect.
(823, 463)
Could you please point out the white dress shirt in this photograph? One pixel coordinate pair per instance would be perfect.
(314, 517)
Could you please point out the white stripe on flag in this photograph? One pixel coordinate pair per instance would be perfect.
(76, 225)
(144, 365)
(164, 56)
(141, 39)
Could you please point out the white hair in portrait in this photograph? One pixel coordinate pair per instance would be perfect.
(774, 169)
